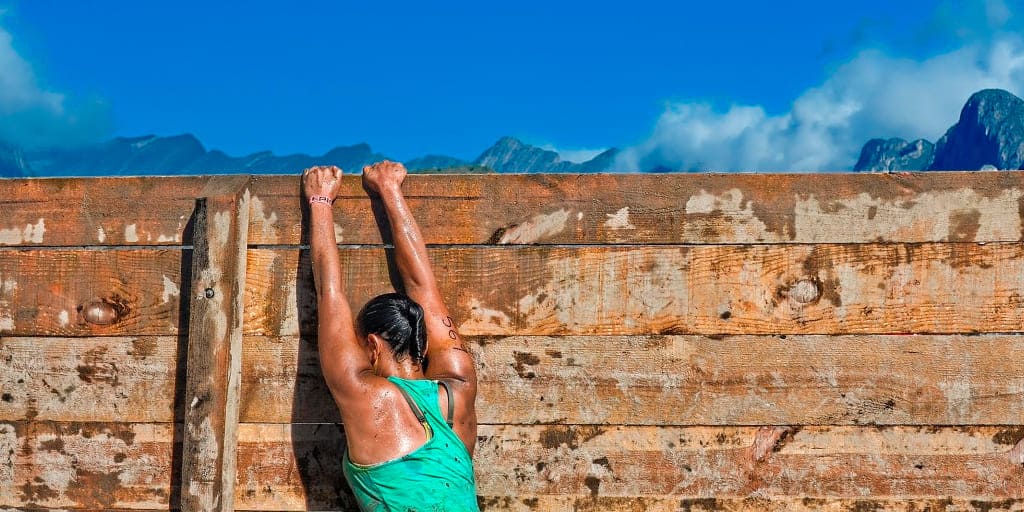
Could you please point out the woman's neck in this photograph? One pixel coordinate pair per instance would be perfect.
(405, 370)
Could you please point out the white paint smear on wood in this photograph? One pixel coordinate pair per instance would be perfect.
(605, 289)
(725, 217)
(483, 320)
(619, 220)
(170, 290)
(30, 233)
(928, 216)
(131, 234)
(539, 227)
(264, 222)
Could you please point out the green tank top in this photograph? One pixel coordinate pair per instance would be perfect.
(435, 477)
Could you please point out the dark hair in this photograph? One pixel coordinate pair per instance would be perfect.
(398, 320)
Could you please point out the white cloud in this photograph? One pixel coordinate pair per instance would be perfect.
(576, 156)
(32, 116)
(872, 95)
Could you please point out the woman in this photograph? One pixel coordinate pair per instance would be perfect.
(403, 380)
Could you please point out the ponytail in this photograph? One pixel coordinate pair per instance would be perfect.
(399, 321)
(418, 334)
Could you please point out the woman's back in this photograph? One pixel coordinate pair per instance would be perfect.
(436, 476)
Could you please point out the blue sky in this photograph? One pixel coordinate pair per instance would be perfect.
(718, 85)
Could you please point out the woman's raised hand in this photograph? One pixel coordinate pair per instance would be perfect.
(383, 175)
(321, 181)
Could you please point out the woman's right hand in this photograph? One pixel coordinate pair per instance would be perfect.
(381, 176)
(321, 181)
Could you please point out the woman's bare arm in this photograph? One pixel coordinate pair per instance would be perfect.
(345, 364)
(447, 356)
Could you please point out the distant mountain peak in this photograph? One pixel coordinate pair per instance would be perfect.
(990, 131)
(988, 134)
(510, 154)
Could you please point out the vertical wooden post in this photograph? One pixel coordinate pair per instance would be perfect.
(214, 358)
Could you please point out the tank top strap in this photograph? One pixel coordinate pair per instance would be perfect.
(422, 418)
(450, 420)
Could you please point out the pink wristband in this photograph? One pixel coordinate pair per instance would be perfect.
(320, 199)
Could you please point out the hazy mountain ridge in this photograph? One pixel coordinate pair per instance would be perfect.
(990, 132)
(185, 154)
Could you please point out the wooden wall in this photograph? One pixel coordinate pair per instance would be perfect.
(644, 342)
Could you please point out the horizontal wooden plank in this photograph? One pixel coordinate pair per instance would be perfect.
(674, 504)
(731, 289)
(39, 509)
(568, 463)
(91, 292)
(691, 380)
(97, 211)
(86, 465)
(122, 379)
(460, 209)
(680, 208)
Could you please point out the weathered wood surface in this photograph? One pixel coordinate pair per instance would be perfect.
(735, 289)
(97, 211)
(86, 465)
(465, 209)
(111, 379)
(628, 329)
(110, 465)
(215, 346)
(681, 208)
(673, 504)
(54, 292)
(775, 504)
(567, 462)
(691, 380)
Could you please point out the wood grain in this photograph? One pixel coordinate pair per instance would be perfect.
(215, 346)
(569, 463)
(773, 504)
(86, 465)
(109, 379)
(59, 212)
(47, 292)
(678, 208)
(734, 289)
(691, 380)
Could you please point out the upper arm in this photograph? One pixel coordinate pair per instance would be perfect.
(344, 363)
(447, 355)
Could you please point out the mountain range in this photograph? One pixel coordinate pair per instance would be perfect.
(185, 154)
(988, 134)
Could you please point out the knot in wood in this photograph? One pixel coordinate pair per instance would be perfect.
(99, 312)
(804, 291)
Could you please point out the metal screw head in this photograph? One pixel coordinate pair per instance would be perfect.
(209, 293)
